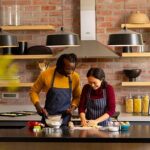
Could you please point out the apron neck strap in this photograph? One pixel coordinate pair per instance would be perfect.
(69, 79)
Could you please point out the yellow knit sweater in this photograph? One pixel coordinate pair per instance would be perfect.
(43, 82)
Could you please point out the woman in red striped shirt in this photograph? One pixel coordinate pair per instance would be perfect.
(97, 102)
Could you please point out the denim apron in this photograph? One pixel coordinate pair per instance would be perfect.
(58, 100)
(96, 108)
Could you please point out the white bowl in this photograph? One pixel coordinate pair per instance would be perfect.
(54, 121)
(113, 128)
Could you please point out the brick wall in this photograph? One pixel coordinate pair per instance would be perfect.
(109, 15)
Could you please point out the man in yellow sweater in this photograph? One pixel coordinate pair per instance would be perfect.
(62, 86)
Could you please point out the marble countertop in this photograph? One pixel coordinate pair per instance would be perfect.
(13, 108)
(133, 117)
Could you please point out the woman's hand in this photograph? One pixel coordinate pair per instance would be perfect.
(92, 123)
(84, 123)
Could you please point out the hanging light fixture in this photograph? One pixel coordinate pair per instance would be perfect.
(7, 40)
(62, 38)
(125, 37)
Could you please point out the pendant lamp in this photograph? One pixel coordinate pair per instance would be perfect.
(62, 38)
(7, 40)
(125, 38)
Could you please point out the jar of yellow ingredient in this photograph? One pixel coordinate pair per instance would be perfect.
(145, 104)
(137, 104)
(129, 104)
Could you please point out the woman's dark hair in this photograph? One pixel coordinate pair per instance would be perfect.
(97, 73)
(60, 62)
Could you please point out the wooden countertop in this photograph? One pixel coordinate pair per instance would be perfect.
(136, 133)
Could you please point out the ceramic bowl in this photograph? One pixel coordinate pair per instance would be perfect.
(113, 128)
(132, 74)
(124, 127)
(54, 121)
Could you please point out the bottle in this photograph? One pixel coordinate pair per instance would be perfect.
(145, 104)
(16, 15)
(137, 104)
(129, 104)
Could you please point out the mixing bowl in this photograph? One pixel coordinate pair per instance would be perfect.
(54, 121)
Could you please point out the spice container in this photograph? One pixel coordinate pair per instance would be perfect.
(137, 104)
(129, 104)
(145, 104)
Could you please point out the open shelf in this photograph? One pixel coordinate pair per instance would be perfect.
(136, 84)
(136, 26)
(28, 56)
(136, 54)
(3, 84)
(28, 27)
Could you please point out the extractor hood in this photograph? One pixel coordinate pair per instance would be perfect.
(89, 46)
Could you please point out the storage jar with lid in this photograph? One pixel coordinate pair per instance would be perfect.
(129, 104)
(145, 104)
(137, 104)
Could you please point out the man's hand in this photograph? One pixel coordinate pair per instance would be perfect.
(70, 110)
(40, 110)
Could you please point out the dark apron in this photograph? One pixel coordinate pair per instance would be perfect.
(58, 100)
(96, 108)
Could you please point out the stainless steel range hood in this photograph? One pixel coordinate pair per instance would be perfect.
(89, 47)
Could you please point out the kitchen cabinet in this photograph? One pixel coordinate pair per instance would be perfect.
(27, 27)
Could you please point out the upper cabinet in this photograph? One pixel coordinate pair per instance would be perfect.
(27, 27)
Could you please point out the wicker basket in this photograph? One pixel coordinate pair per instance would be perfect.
(138, 17)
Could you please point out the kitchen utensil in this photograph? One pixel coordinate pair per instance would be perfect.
(22, 49)
(127, 49)
(132, 74)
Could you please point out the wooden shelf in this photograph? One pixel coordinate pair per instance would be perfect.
(135, 84)
(3, 84)
(28, 27)
(136, 54)
(28, 56)
(136, 26)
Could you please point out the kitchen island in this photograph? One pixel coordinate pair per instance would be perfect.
(138, 137)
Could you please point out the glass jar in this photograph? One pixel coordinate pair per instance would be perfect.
(129, 104)
(145, 104)
(137, 102)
